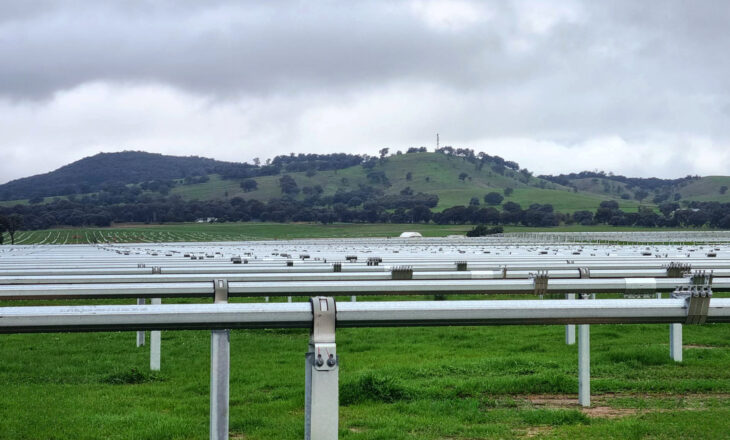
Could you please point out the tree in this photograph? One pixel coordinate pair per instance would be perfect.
(723, 189)
(482, 230)
(249, 185)
(474, 201)
(420, 213)
(641, 195)
(583, 217)
(409, 176)
(668, 208)
(3, 227)
(383, 152)
(463, 176)
(493, 198)
(508, 191)
(288, 185)
(13, 223)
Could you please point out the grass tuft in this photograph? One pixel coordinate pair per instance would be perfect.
(131, 377)
(554, 417)
(640, 357)
(372, 387)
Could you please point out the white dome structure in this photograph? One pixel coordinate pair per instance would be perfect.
(410, 235)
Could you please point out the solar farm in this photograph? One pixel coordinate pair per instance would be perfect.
(524, 335)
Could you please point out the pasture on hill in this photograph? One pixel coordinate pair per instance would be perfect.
(430, 173)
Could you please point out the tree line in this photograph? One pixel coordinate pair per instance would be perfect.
(366, 204)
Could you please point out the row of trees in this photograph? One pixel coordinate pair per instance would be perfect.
(365, 204)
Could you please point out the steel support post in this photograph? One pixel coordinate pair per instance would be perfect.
(675, 342)
(321, 396)
(155, 339)
(584, 365)
(140, 334)
(570, 328)
(353, 298)
(220, 363)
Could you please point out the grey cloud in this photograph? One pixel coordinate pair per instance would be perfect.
(228, 48)
(567, 74)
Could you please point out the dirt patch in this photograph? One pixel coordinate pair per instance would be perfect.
(534, 431)
(606, 412)
(563, 401)
(554, 400)
(600, 404)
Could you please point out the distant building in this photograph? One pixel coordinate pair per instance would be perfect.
(411, 235)
(207, 220)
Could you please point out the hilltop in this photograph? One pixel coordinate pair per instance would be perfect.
(97, 172)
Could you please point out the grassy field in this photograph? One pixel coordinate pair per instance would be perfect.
(261, 231)
(465, 383)
(456, 383)
(225, 232)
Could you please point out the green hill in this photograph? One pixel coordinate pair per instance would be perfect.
(454, 177)
(430, 173)
(105, 170)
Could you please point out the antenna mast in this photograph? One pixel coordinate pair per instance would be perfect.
(437, 140)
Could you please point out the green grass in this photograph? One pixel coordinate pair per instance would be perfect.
(135, 233)
(707, 189)
(401, 383)
(226, 232)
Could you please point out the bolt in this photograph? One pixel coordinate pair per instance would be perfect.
(331, 361)
(319, 362)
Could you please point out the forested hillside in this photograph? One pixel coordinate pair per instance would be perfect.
(106, 170)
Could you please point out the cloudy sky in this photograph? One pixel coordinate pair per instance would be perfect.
(634, 87)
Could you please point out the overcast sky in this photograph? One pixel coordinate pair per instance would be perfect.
(635, 87)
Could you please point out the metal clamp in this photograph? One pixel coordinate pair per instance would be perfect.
(697, 299)
(156, 270)
(337, 267)
(584, 272)
(322, 338)
(220, 291)
(701, 278)
(374, 261)
(540, 281)
(678, 270)
(461, 266)
(402, 273)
